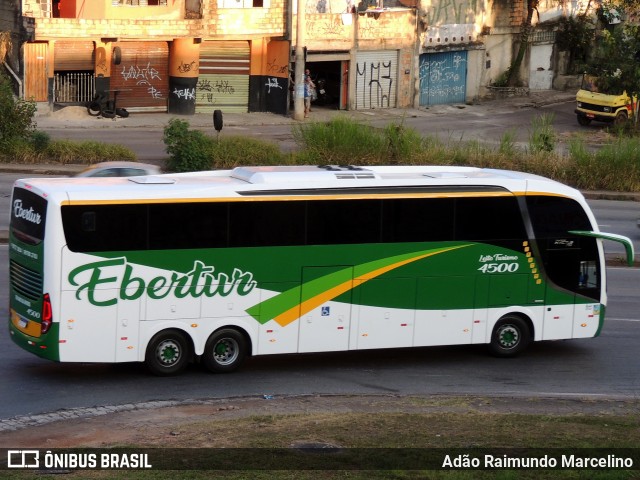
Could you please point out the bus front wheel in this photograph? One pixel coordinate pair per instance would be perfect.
(225, 350)
(510, 336)
(167, 353)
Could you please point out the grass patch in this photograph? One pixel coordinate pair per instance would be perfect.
(39, 149)
(343, 141)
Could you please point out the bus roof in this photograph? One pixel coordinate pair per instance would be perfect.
(291, 180)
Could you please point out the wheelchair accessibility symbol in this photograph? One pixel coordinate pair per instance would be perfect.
(326, 311)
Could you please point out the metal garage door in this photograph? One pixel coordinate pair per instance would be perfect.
(376, 79)
(73, 55)
(223, 80)
(141, 76)
(443, 78)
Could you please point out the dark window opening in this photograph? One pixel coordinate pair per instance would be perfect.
(570, 261)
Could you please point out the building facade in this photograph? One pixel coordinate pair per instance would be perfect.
(196, 56)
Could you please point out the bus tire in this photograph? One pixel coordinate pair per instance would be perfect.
(224, 351)
(510, 336)
(168, 353)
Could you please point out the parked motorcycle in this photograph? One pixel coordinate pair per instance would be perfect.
(323, 97)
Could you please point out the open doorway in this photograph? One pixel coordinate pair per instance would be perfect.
(330, 84)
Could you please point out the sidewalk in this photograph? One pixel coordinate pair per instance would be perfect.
(77, 117)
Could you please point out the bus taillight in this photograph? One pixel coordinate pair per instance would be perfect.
(47, 316)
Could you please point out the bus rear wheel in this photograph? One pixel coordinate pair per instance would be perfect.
(225, 350)
(510, 336)
(167, 353)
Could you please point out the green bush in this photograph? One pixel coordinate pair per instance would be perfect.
(192, 150)
(16, 114)
(189, 150)
(41, 140)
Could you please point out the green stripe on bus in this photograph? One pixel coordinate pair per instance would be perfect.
(295, 302)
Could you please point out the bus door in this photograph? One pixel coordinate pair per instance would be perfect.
(574, 276)
(388, 325)
(561, 269)
(325, 308)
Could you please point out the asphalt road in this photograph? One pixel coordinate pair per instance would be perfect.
(604, 367)
(593, 368)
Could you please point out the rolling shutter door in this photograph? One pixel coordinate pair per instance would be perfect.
(142, 77)
(73, 55)
(223, 80)
(443, 78)
(376, 79)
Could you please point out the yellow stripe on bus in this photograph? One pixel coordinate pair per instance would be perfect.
(305, 307)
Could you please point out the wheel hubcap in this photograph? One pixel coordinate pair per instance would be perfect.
(168, 353)
(509, 336)
(225, 351)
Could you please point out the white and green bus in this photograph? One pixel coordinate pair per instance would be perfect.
(216, 266)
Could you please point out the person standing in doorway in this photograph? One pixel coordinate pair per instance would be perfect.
(309, 89)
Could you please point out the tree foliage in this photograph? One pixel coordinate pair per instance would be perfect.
(576, 36)
(616, 60)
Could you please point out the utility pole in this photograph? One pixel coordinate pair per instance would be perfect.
(298, 102)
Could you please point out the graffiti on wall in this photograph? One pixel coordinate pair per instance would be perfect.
(273, 67)
(274, 82)
(188, 67)
(452, 11)
(185, 93)
(443, 78)
(374, 84)
(230, 92)
(146, 75)
(209, 89)
(326, 26)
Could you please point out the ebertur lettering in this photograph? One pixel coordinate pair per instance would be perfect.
(28, 215)
(200, 280)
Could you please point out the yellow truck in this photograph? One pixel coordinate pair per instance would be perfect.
(602, 107)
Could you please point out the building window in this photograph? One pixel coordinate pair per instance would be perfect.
(139, 3)
(243, 3)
